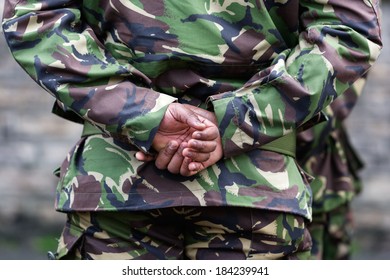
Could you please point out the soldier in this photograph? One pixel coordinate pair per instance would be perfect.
(190, 112)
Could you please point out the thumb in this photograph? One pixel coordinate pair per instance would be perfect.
(186, 115)
(194, 120)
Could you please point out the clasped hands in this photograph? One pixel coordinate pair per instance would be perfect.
(187, 140)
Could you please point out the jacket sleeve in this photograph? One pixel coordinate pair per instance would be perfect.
(338, 42)
(59, 51)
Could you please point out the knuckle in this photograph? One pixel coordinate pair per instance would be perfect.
(168, 152)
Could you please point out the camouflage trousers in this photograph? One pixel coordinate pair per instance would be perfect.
(185, 233)
(331, 234)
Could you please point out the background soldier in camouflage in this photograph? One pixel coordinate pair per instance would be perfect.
(326, 153)
(215, 91)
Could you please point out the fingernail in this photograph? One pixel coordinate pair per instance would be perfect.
(189, 154)
(193, 167)
(195, 144)
(172, 146)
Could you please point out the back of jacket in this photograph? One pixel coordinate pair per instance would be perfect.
(265, 67)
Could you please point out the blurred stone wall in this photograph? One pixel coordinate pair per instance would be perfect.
(33, 142)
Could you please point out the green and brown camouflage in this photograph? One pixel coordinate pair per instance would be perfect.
(266, 68)
(185, 233)
(325, 152)
(332, 234)
(102, 173)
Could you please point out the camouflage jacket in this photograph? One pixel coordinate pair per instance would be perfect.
(265, 67)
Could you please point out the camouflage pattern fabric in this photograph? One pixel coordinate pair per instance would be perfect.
(185, 233)
(332, 234)
(265, 68)
(326, 153)
(98, 156)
